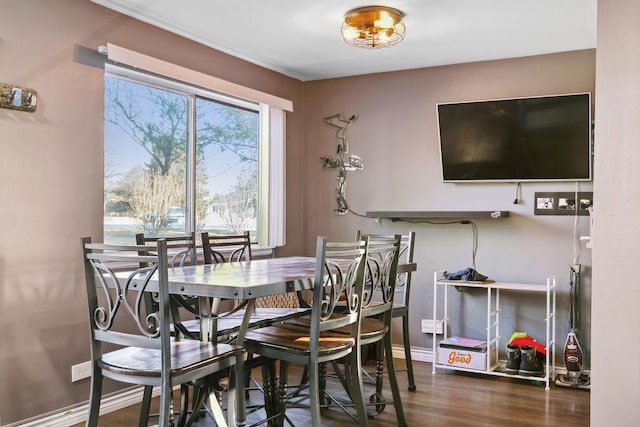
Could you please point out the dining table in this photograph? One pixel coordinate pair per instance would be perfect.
(243, 281)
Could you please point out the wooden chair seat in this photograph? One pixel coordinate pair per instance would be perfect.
(371, 329)
(295, 338)
(229, 325)
(186, 356)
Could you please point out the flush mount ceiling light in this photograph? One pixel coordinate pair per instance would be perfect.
(373, 27)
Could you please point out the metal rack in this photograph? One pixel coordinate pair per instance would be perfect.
(493, 322)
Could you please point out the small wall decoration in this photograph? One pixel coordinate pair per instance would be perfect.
(18, 98)
(342, 162)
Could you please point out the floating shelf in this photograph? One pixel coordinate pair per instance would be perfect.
(400, 215)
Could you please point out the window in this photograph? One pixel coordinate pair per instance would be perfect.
(179, 158)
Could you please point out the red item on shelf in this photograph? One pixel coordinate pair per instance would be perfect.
(540, 348)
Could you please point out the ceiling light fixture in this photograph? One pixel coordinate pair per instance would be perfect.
(373, 27)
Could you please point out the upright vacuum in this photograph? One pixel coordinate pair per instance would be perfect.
(573, 355)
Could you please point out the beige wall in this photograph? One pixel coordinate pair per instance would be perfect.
(615, 395)
(51, 165)
(397, 135)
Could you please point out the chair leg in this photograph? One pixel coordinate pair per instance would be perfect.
(407, 352)
(354, 380)
(146, 403)
(184, 405)
(94, 398)
(393, 380)
(282, 392)
(165, 406)
(236, 397)
(314, 393)
(268, 375)
(305, 375)
(199, 396)
(322, 383)
(379, 367)
(216, 410)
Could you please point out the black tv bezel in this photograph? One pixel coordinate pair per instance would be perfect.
(589, 143)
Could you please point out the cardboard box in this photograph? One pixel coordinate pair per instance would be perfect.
(464, 357)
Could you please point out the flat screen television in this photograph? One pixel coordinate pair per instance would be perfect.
(544, 138)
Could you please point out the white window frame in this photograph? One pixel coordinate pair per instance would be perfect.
(271, 109)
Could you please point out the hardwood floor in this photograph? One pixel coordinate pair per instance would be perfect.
(445, 399)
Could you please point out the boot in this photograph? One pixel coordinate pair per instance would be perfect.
(530, 365)
(513, 359)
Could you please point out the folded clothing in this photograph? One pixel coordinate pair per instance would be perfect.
(467, 275)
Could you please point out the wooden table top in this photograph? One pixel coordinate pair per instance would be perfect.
(247, 279)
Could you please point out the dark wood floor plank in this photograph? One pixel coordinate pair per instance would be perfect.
(445, 399)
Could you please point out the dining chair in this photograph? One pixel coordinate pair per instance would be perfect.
(402, 298)
(219, 248)
(141, 349)
(401, 305)
(375, 324)
(339, 271)
(181, 251)
(216, 249)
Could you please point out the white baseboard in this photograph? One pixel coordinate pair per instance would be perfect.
(77, 414)
(417, 353)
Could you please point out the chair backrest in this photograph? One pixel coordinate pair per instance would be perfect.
(181, 250)
(219, 248)
(403, 280)
(338, 282)
(115, 301)
(380, 273)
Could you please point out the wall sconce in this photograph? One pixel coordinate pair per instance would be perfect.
(18, 98)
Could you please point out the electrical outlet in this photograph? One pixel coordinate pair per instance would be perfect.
(80, 371)
(427, 326)
(563, 203)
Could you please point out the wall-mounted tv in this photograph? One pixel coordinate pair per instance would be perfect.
(544, 138)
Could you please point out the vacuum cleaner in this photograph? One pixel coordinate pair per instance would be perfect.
(573, 355)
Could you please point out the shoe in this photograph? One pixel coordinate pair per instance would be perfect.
(513, 359)
(530, 365)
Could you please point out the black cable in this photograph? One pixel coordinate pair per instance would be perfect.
(516, 200)
(474, 251)
(474, 229)
(424, 221)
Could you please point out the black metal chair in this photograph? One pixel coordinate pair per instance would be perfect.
(145, 352)
(377, 310)
(339, 271)
(401, 305)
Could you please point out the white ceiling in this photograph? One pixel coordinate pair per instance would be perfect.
(301, 38)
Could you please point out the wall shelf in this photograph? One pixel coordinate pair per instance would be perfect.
(402, 215)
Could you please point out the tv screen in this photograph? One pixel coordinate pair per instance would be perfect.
(546, 138)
